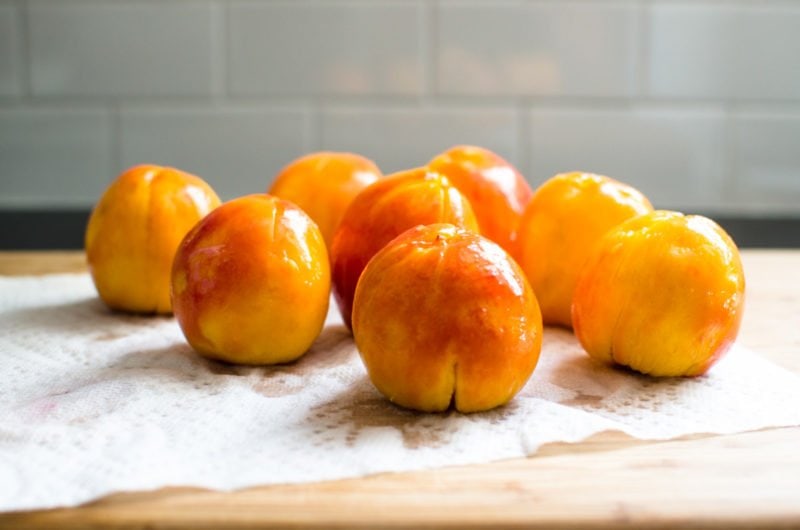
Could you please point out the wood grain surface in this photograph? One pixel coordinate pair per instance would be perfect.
(749, 480)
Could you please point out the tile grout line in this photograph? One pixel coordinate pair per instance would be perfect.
(116, 139)
(524, 141)
(220, 50)
(730, 176)
(642, 48)
(428, 15)
(24, 54)
(788, 107)
(314, 125)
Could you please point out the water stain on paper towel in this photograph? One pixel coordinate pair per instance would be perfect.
(363, 408)
(582, 400)
(110, 335)
(221, 368)
(333, 347)
(279, 385)
(590, 380)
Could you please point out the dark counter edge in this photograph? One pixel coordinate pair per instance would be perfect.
(64, 230)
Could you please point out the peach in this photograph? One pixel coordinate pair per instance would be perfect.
(662, 294)
(134, 231)
(496, 190)
(324, 184)
(568, 214)
(251, 282)
(443, 316)
(383, 211)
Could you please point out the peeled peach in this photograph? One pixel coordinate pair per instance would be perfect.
(134, 231)
(251, 282)
(496, 190)
(568, 214)
(662, 294)
(324, 184)
(445, 316)
(383, 211)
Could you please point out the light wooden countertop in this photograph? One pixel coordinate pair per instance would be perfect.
(738, 481)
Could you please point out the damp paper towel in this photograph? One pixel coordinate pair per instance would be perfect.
(93, 402)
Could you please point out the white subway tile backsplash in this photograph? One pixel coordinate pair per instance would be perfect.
(723, 51)
(10, 76)
(402, 138)
(696, 103)
(558, 48)
(53, 157)
(322, 48)
(766, 149)
(237, 151)
(674, 156)
(121, 49)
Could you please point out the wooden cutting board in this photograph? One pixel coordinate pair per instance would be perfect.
(739, 481)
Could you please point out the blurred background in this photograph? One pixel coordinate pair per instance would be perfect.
(695, 103)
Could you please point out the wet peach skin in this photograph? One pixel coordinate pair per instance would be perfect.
(567, 216)
(383, 211)
(443, 315)
(134, 231)
(662, 294)
(324, 184)
(497, 192)
(251, 282)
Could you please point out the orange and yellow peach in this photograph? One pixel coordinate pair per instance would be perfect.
(134, 231)
(568, 214)
(497, 191)
(443, 316)
(251, 282)
(324, 184)
(383, 211)
(662, 294)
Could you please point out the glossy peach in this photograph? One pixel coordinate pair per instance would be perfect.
(568, 214)
(497, 191)
(324, 184)
(251, 282)
(383, 211)
(662, 294)
(443, 316)
(134, 231)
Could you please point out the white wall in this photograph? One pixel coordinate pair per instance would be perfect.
(695, 102)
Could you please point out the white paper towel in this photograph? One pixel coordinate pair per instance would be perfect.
(94, 402)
